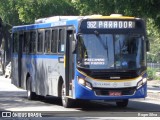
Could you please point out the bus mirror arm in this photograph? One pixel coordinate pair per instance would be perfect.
(73, 46)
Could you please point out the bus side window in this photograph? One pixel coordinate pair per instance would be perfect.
(61, 41)
(47, 48)
(26, 42)
(32, 47)
(54, 41)
(15, 43)
(40, 42)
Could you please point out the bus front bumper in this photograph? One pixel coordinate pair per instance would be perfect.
(87, 94)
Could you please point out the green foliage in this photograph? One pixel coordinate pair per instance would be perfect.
(152, 74)
(8, 12)
(107, 7)
(154, 38)
(34, 9)
(17, 12)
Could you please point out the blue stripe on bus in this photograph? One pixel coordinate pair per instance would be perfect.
(31, 27)
(38, 56)
(45, 25)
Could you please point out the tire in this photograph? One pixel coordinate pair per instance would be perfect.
(30, 95)
(122, 104)
(40, 97)
(66, 102)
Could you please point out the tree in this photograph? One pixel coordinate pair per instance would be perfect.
(8, 12)
(16, 12)
(29, 10)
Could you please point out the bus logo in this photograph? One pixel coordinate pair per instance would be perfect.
(113, 78)
(114, 84)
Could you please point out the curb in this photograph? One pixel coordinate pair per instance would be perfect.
(154, 85)
(153, 94)
(157, 86)
(153, 91)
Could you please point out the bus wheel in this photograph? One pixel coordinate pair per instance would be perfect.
(122, 104)
(31, 95)
(66, 102)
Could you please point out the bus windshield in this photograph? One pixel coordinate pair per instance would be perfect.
(110, 51)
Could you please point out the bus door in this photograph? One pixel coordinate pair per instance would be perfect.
(69, 60)
(20, 58)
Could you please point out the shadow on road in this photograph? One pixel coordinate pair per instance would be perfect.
(17, 100)
(133, 106)
(10, 99)
(51, 100)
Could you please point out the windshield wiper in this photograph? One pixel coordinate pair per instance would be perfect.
(105, 46)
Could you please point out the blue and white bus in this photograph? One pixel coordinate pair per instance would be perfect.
(81, 58)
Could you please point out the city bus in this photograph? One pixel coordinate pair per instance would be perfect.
(78, 58)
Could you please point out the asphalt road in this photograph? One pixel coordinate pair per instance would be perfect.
(156, 88)
(15, 100)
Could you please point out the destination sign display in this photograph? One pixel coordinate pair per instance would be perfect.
(110, 24)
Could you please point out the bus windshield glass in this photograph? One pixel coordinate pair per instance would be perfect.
(110, 51)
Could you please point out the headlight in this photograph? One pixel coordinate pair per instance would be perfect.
(144, 80)
(84, 83)
(141, 82)
(81, 81)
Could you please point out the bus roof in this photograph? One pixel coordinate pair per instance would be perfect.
(64, 20)
(44, 25)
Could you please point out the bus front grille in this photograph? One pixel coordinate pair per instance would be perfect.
(123, 91)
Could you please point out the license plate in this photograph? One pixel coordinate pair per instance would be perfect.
(113, 93)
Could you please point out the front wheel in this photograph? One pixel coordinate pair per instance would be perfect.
(122, 104)
(66, 102)
(30, 95)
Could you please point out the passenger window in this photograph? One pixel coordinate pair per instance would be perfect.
(26, 42)
(32, 42)
(15, 43)
(40, 42)
(61, 40)
(47, 41)
(54, 41)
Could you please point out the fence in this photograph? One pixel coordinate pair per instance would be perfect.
(154, 65)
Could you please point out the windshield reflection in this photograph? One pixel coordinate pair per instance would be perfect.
(108, 51)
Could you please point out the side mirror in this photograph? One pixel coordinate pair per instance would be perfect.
(73, 42)
(147, 46)
(73, 46)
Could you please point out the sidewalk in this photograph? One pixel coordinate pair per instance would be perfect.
(155, 83)
(153, 93)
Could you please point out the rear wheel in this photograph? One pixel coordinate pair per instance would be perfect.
(122, 104)
(31, 95)
(66, 102)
